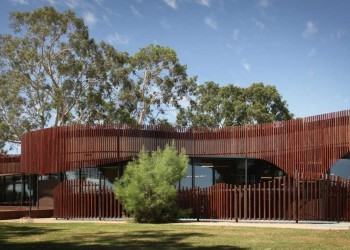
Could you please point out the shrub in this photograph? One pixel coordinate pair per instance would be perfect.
(147, 187)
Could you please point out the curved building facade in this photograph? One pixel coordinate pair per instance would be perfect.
(304, 148)
(310, 145)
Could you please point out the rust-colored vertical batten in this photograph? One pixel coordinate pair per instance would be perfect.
(283, 199)
(308, 145)
(10, 164)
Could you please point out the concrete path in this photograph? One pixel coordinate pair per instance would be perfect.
(259, 224)
(267, 224)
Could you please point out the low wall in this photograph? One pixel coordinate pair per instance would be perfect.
(16, 214)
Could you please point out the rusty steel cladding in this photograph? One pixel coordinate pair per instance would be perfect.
(10, 164)
(308, 145)
(321, 199)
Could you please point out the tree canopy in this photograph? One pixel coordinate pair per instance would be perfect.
(231, 105)
(53, 73)
(47, 69)
(147, 187)
(161, 82)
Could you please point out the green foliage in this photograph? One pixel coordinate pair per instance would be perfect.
(47, 68)
(231, 105)
(147, 187)
(160, 81)
(52, 73)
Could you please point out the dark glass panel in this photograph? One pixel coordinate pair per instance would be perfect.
(203, 175)
(186, 181)
(110, 175)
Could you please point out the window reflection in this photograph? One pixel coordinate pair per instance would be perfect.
(203, 175)
(186, 181)
(14, 190)
(208, 172)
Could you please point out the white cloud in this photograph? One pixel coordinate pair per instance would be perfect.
(239, 50)
(310, 30)
(246, 66)
(264, 3)
(235, 35)
(72, 3)
(135, 12)
(171, 3)
(107, 20)
(259, 24)
(311, 74)
(312, 52)
(50, 2)
(164, 24)
(204, 2)
(339, 34)
(89, 17)
(211, 23)
(118, 39)
(19, 1)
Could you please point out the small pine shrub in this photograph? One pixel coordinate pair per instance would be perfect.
(147, 187)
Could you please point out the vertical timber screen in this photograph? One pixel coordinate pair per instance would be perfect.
(74, 199)
(323, 199)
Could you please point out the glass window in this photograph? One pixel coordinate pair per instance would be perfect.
(91, 175)
(186, 181)
(341, 168)
(203, 175)
(71, 175)
(14, 192)
(110, 175)
(49, 177)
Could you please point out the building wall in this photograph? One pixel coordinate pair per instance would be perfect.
(310, 145)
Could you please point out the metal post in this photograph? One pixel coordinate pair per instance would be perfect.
(22, 188)
(13, 188)
(197, 203)
(62, 198)
(193, 174)
(37, 192)
(297, 197)
(100, 192)
(246, 157)
(246, 170)
(30, 195)
(246, 175)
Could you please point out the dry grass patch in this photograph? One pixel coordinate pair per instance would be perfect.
(163, 236)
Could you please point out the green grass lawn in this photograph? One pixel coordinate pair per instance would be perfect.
(165, 236)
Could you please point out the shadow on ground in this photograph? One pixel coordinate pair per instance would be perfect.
(155, 239)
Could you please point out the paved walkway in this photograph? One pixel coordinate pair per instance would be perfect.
(268, 224)
(260, 224)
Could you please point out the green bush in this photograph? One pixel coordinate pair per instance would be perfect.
(147, 187)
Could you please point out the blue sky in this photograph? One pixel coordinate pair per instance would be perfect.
(302, 47)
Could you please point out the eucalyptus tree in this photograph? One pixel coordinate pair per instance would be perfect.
(265, 104)
(53, 73)
(231, 105)
(160, 83)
